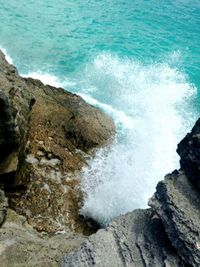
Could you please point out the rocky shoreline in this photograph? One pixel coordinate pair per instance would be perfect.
(46, 137)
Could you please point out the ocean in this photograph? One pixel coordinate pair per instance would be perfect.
(139, 61)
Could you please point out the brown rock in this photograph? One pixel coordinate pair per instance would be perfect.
(53, 131)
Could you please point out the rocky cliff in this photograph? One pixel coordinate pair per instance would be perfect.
(46, 135)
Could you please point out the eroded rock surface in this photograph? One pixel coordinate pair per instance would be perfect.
(135, 239)
(46, 134)
(177, 202)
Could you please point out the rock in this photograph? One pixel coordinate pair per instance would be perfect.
(177, 203)
(22, 246)
(135, 239)
(47, 134)
(15, 108)
(189, 151)
(3, 207)
(7, 132)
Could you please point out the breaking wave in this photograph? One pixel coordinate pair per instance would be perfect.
(150, 104)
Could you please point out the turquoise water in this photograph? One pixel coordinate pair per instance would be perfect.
(137, 60)
(63, 35)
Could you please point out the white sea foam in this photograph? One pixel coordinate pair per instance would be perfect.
(7, 56)
(119, 116)
(46, 78)
(50, 79)
(152, 101)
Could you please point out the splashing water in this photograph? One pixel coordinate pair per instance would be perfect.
(147, 104)
(150, 105)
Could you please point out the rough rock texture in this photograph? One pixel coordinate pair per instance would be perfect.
(46, 134)
(63, 129)
(3, 207)
(177, 202)
(135, 239)
(7, 132)
(22, 246)
(189, 151)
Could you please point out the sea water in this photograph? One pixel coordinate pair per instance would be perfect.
(138, 61)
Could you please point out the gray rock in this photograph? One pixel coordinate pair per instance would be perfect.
(135, 239)
(189, 151)
(177, 202)
(22, 246)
